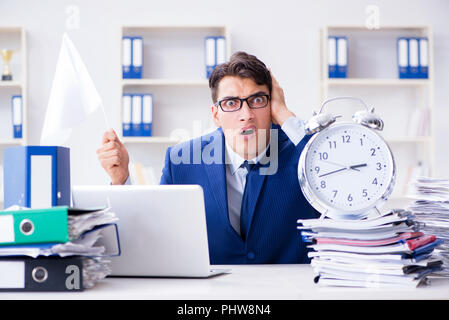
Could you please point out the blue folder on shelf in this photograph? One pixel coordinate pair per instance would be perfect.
(337, 56)
(403, 58)
(136, 115)
(137, 57)
(126, 57)
(147, 115)
(215, 52)
(17, 117)
(126, 115)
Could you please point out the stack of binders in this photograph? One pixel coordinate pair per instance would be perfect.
(383, 251)
(413, 57)
(215, 52)
(337, 56)
(137, 115)
(132, 57)
(56, 249)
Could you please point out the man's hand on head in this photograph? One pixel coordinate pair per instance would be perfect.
(113, 157)
(279, 110)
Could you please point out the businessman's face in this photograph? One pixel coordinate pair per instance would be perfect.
(247, 130)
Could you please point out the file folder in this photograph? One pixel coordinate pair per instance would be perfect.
(220, 49)
(107, 245)
(17, 116)
(423, 58)
(403, 58)
(137, 57)
(211, 55)
(332, 56)
(41, 274)
(126, 115)
(36, 176)
(147, 115)
(126, 57)
(136, 112)
(342, 57)
(413, 57)
(34, 226)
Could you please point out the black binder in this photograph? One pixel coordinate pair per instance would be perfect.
(41, 274)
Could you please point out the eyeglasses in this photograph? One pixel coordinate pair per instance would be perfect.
(255, 101)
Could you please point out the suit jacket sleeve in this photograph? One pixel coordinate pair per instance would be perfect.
(166, 177)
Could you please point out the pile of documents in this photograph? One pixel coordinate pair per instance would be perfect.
(56, 249)
(431, 207)
(388, 250)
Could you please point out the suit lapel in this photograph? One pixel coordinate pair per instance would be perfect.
(213, 158)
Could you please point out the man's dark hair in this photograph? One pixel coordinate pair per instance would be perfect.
(242, 65)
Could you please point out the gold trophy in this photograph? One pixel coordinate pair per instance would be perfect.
(6, 55)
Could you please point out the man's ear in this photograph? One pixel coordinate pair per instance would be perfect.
(215, 118)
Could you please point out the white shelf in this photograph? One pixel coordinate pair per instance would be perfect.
(164, 82)
(149, 140)
(375, 82)
(10, 84)
(12, 142)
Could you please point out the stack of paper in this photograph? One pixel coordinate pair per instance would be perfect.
(385, 251)
(58, 238)
(431, 207)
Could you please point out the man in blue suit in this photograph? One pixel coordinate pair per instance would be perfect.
(248, 167)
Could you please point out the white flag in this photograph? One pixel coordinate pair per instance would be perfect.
(73, 96)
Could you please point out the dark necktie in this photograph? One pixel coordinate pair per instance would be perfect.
(245, 198)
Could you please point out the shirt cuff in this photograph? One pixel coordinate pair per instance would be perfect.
(294, 129)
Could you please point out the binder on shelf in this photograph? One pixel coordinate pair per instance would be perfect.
(36, 176)
(137, 57)
(126, 115)
(136, 115)
(147, 115)
(211, 55)
(413, 57)
(220, 49)
(126, 57)
(42, 274)
(423, 72)
(403, 58)
(17, 117)
(342, 57)
(332, 56)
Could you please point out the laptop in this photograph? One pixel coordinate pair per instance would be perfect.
(162, 229)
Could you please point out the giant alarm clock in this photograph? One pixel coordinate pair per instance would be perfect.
(346, 170)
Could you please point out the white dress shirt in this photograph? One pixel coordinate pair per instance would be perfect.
(236, 175)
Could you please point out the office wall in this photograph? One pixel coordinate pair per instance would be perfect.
(284, 34)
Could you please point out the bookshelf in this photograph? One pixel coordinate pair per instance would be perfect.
(174, 72)
(372, 75)
(13, 38)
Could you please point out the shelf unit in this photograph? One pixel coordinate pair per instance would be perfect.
(13, 38)
(174, 72)
(372, 75)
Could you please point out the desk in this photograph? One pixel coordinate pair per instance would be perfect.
(270, 282)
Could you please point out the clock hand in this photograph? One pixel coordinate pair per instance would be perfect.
(358, 166)
(326, 174)
(341, 165)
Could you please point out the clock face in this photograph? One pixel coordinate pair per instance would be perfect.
(347, 170)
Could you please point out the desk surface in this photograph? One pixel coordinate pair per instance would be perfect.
(269, 282)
